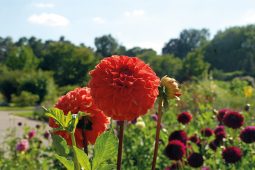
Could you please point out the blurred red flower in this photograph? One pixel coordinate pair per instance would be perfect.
(124, 87)
(80, 100)
(233, 119)
(232, 154)
(247, 135)
(175, 150)
(184, 117)
(221, 114)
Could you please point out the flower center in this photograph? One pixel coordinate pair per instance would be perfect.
(125, 71)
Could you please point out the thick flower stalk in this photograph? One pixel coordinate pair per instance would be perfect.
(124, 88)
(169, 89)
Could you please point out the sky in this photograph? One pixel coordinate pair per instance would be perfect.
(144, 23)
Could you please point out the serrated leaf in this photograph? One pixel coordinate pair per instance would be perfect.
(59, 116)
(105, 148)
(67, 163)
(59, 145)
(82, 158)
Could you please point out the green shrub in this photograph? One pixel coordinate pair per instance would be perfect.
(25, 99)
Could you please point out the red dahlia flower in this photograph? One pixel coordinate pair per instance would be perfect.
(247, 135)
(207, 132)
(220, 133)
(195, 160)
(232, 154)
(184, 117)
(195, 139)
(81, 100)
(175, 150)
(221, 114)
(124, 87)
(178, 135)
(23, 145)
(233, 119)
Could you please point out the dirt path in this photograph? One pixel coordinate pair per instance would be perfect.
(7, 120)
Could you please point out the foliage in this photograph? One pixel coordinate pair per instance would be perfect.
(38, 156)
(232, 50)
(105, 147)
(68, 63)
(38, 82)
(194, 66)
(106, 46)
(188, 40)
(25, 99)
(21, 58)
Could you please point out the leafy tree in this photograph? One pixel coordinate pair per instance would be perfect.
(166, 65)
(39, 83)
(106, 46)
(194, 66)
(9, 84)
(37, 46)
(5, 46)
(70, 64)
(21, 58)
(233, 49)
(187, 41)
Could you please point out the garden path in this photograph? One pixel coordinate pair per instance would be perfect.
(7, 120)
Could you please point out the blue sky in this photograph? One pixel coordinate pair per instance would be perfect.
(144, 23)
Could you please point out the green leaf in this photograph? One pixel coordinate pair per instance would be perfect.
(107, 167)
(105, 148)
(59, 145)
(59, 116)
(67, 163)
(82, 158)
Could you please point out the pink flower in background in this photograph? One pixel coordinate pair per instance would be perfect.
(31, 134)
(23, 145)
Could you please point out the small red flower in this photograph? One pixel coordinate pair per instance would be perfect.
(232, 154)
(195, 139)
(247, 135)
(175, 150)
(184, 117)
(233, 119)
(195, 160)
(178, 135)
(220, 133)
(23, 145)
(31, 134)
(81, 100)
(207, 132)
(221, 114)
(124, 87)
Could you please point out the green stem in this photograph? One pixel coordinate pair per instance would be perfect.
(76, 163)
(160, 104)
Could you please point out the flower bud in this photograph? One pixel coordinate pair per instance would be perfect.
(171, 86)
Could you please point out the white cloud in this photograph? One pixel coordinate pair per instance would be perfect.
(44, 5)
(49, 19)
(99, 20)
(134, 13)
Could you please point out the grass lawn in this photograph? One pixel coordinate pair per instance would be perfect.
(14, 108)
(27, 114)
(19, 111)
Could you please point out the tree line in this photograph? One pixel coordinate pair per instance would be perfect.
(40, 67)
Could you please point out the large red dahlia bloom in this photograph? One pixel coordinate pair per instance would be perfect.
(233, 119)
(232, 154)
(123, 87)
(81, 100)
(175, 150)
